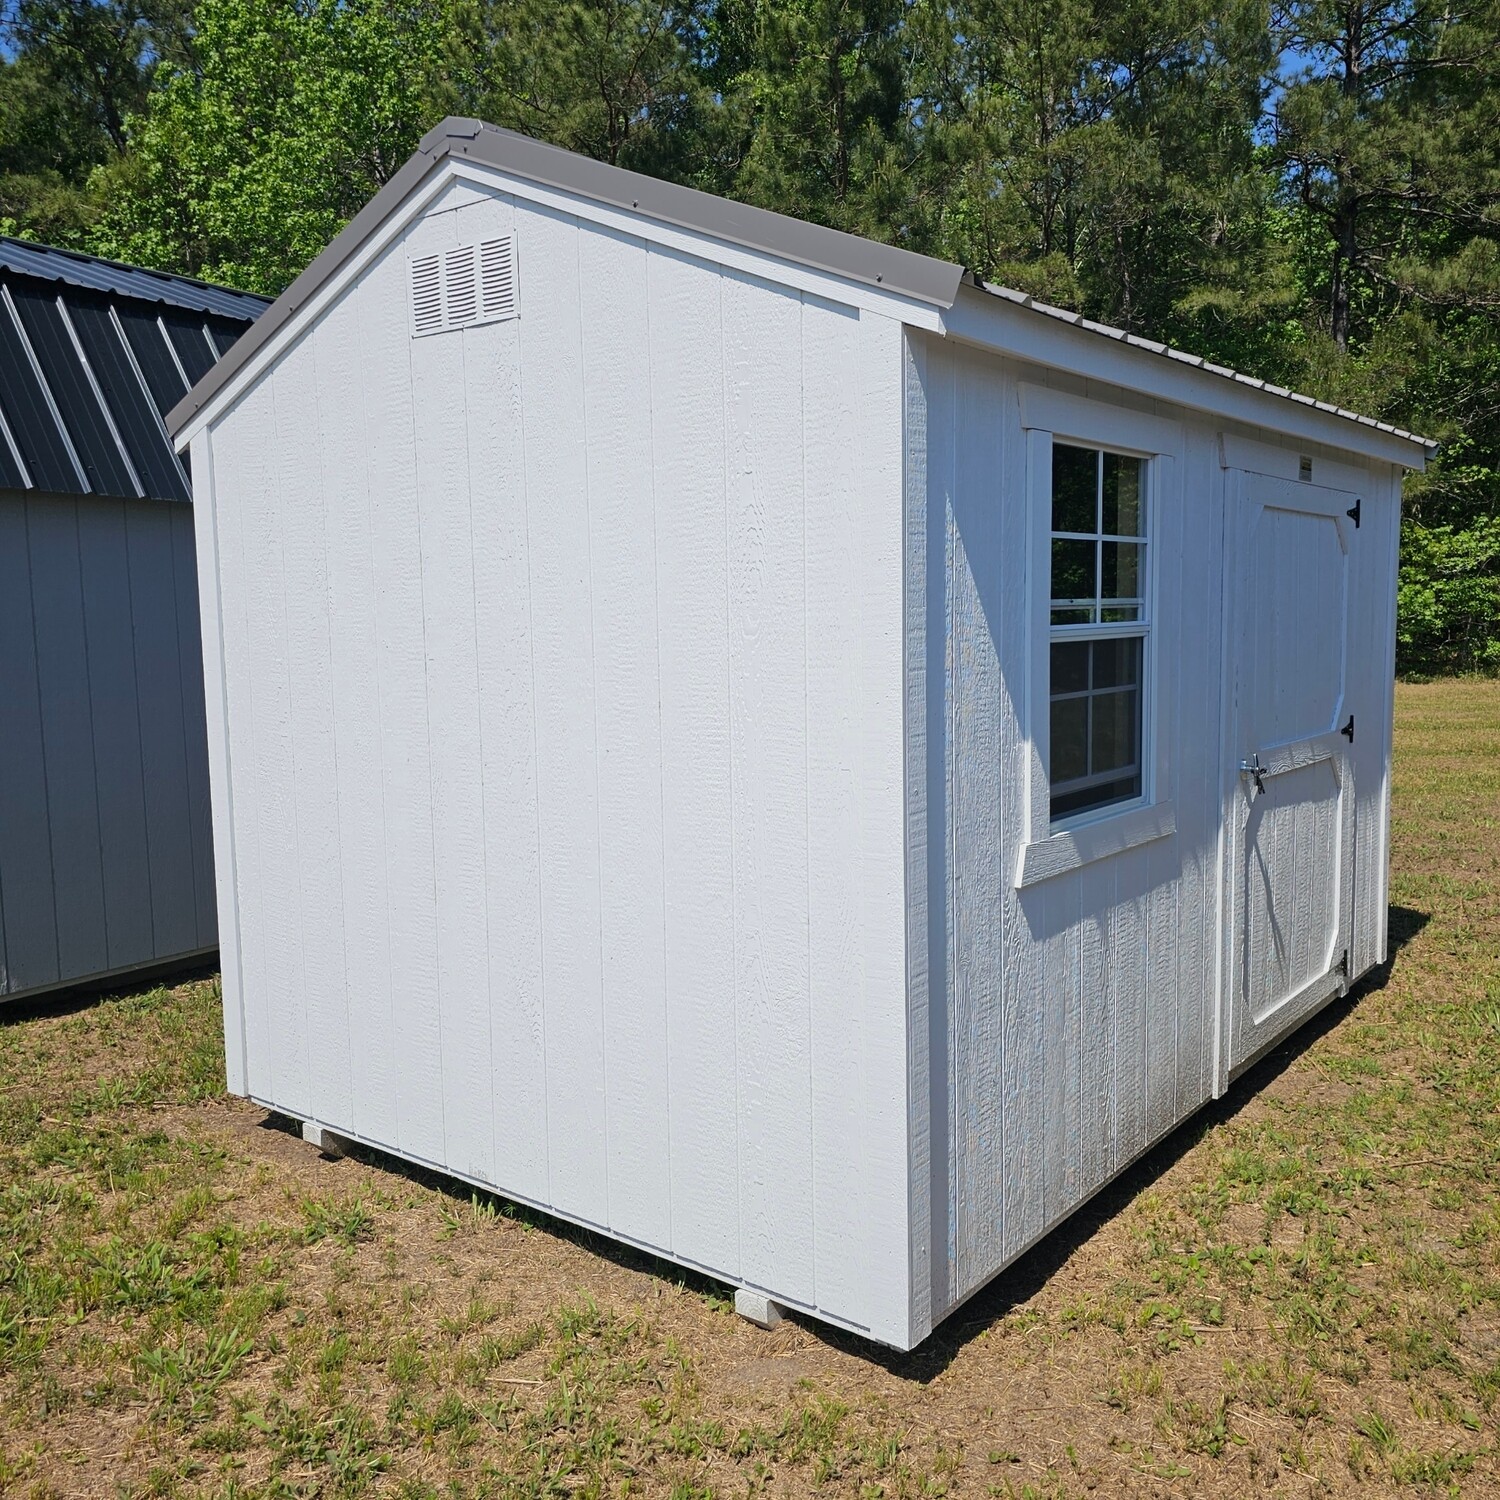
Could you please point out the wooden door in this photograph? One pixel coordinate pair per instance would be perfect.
(1291, 804)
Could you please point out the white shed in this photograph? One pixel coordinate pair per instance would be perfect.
(749, 740)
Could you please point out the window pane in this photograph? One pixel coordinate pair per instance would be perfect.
(1117, 718)
(1074, 571)
(1122, 569)
(1116, 663)
(1075, 481)
(1120, 614)
(1086, 799)
(1070, 666)
(1124, 512)
(1073, 616)
(1070, 736)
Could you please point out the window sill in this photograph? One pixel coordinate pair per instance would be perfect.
(1072, 848)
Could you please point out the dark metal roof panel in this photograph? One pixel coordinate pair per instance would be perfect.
(44, 450)
(190, 341)
(148, 342)
(82, 413)
(47, 263)
(86, 378)
(11, 477)
(135, 416)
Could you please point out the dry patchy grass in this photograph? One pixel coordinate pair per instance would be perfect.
(1297, 1294)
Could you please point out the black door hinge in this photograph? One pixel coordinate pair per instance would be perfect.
(1353, 514)
(1348, 730)
(1343, 963)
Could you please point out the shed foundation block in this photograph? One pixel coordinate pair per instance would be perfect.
(757, 1308)
(324, 1139)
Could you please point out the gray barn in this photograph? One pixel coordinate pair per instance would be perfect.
(754, 741)
(106, 853)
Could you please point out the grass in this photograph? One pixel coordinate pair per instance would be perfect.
(1299, 1293)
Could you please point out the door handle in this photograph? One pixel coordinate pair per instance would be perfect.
(1255, 770)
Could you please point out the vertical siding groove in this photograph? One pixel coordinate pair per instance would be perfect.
(588, 545)
(807, 777)
(36, 656)
(93, 750)
(136, 711)
(661, 790)
(442, 1092)
(484, 843)
(734, 896)
(541, 893)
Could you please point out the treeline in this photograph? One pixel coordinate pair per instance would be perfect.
(1307, 190)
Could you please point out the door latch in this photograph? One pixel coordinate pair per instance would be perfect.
(1255, 771)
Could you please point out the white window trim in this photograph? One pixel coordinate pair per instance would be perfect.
(1053, 849)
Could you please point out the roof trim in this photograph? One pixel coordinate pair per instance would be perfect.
(1166, 351)
(902, 273)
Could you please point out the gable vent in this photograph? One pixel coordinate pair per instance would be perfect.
(463, 286)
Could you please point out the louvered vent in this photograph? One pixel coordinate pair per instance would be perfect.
(497, 276)
(461, 287)
(426, 294)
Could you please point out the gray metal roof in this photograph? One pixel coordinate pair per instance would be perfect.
(89, 368)
(47, 263)
(919, 277)
(1197, 361)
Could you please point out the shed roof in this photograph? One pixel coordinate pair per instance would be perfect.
(920, 278)
(49, 263)
(92, 357)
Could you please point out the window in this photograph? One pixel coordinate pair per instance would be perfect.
(1099, 625)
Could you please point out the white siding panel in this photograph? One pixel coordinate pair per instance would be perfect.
(406, 760)
(879, 1010)
(266, 650)
(502, 616)
(241, 469)
(985, 1047)
(349, 499)
(317, 934)
(768, 708)
(567, 765)
(622, 553)
(835, 443)
(925, 591)
(688, 441)
(463, 1001)
(206, 528)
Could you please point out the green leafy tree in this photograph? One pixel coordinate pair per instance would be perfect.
(614, 79)
(291, 116)
(74, 72)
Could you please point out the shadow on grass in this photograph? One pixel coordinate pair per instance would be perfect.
(71, 999)
(1025, 1276)
(1013, 1286)
(1019, 1281)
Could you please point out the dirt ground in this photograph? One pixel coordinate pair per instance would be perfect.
(1296, 1294)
